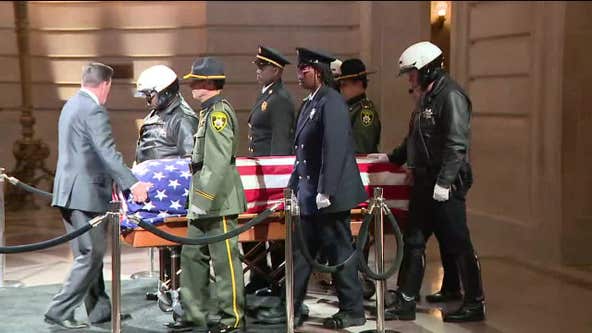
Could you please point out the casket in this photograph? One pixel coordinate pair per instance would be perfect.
(264, 179)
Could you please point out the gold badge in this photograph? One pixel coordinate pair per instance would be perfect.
(367, 118)
(219, 120)
(264, 106)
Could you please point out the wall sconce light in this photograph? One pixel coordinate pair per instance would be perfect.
(441, 11)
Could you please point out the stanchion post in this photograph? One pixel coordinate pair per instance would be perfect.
(379, 257)
(4, 283)
(115, 267)
(288, 215)
(379, 241)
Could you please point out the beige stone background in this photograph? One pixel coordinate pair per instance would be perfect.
(525, 65)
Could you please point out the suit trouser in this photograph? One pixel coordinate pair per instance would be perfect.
(331, 233)
(195, 274)
(85, 281)
(448, 221)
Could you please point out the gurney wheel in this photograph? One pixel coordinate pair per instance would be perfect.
(165, 301)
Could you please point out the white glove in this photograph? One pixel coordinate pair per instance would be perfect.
(379, 156)
(441, 193)
(197, 211)
(323, 201)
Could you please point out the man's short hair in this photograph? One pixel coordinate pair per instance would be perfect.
(95, 73)
(219, 84)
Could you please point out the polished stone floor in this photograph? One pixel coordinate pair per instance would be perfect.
(520, 297)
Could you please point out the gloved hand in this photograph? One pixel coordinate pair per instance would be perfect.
(441, 193)
(197, 211)
(323, 201)
(381, 157)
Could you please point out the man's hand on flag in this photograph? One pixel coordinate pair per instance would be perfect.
(140, 191)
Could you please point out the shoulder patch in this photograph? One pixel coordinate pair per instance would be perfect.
(367, 117)
(219, 120)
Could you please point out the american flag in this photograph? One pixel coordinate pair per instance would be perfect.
(263, 179)
(168, 195)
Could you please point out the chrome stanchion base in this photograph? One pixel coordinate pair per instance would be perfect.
(11, 284)
(145, 275)
(151, 274)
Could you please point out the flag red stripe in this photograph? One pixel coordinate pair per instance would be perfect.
(247, 170)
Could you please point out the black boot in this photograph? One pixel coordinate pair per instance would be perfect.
(277, 315)
(400, 309)
(412, 277)
(473, 307)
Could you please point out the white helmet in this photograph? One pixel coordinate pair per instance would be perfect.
(154, 79)
(336, 67)
(418, 56)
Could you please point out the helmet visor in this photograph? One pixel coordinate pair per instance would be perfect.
(406, 69)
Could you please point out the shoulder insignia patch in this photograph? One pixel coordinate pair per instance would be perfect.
(264, 106)
(219, 120)
(367, 118)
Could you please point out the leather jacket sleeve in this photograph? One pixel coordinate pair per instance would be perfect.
(399, 154)
(186, 129)
(456, 132)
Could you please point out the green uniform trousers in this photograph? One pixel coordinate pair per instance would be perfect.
(196, 295)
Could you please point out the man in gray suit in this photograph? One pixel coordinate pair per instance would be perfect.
(88, 163)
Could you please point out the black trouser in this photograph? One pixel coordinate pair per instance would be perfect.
(450, 279)
(448, 221)
(330, 232)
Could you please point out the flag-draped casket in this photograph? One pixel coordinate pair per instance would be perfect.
(263, 178)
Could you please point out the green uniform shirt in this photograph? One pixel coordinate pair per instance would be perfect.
(365, 124)
(216, 188)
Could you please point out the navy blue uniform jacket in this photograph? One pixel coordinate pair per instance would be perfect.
(325, 161)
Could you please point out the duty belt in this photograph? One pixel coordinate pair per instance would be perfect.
(195, 167)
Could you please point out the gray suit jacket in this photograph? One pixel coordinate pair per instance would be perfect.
(88, 160)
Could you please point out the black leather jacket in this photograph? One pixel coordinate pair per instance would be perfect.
(167, 133)
(439, 136)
